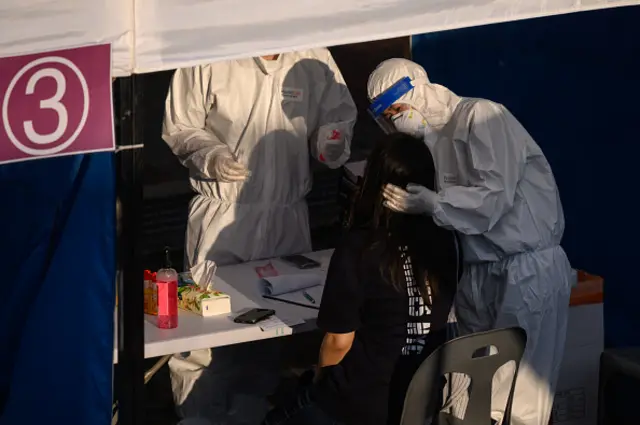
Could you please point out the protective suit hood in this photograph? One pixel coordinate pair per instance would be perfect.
(435, 102)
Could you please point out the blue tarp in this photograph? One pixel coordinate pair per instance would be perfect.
(573, 81)
(57, 254)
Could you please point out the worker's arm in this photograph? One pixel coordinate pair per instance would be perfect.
(183, 128)
(496, 154)
(337, 117)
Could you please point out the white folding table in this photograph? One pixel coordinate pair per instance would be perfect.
(242, 283)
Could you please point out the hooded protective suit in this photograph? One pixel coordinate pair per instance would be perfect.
(266, 116)
(496, 188)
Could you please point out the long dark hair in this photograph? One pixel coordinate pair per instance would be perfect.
(401, 159)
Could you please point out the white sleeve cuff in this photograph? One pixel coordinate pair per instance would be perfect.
(431, 200)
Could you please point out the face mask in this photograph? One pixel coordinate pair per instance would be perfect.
(410, 122)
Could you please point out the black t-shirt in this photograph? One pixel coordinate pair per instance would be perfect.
(425, 329)
(357, 298)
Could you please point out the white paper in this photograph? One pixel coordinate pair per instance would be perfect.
(305, 289)
(284, 284)
(356, 168)
(298, 297)
(275, 322)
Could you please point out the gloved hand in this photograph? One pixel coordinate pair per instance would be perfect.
(333, 144)
(226, 169)
(415, 200)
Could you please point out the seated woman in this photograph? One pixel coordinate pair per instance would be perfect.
(390, 276)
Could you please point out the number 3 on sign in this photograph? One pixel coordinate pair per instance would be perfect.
(51, 103)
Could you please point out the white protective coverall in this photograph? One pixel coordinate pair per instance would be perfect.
(496, 188)
(270, 115)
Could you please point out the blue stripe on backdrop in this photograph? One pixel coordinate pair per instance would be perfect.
(574, 82)
(56, 313)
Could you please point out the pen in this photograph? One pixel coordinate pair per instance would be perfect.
(308, 297)
(269, 297)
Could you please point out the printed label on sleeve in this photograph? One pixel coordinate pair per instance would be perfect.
(450, 179)
(292, 94)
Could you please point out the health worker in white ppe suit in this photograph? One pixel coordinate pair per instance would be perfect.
(245, 129)
(496, 188)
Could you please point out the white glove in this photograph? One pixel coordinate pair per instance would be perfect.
(415, 200)
(333, 144)
(226, 169)
(333, 150)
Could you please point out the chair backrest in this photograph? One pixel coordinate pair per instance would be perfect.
(465, 355)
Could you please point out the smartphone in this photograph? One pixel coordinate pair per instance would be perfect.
(254, 316)
(301, 262)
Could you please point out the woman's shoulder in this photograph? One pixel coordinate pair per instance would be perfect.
(349, 243)
(359, 238)
(358, 247)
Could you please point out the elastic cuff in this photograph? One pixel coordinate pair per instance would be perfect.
(431, 199)
(338, 162)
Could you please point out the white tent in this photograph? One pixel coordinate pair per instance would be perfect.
(147, 36)
(153, 35)
(34, 26)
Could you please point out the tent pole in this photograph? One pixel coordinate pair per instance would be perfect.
(130, 290)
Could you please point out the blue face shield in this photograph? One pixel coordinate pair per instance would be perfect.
(385, 100)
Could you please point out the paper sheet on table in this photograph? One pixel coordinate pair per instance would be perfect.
(356, 168)
(275, 322)
(291, 287)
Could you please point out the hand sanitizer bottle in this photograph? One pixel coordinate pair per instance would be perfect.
(167, 282)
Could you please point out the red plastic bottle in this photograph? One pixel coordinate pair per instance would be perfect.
(167, 281)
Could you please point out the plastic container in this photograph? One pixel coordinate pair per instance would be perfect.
(589, 290)
(150, 293)
(167, 284)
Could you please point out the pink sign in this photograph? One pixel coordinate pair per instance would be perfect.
(56, 103)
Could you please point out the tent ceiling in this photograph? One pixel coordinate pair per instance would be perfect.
(178, 33)
(32, 26)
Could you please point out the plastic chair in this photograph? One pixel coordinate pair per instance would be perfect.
(463, 355)
(618, 387)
